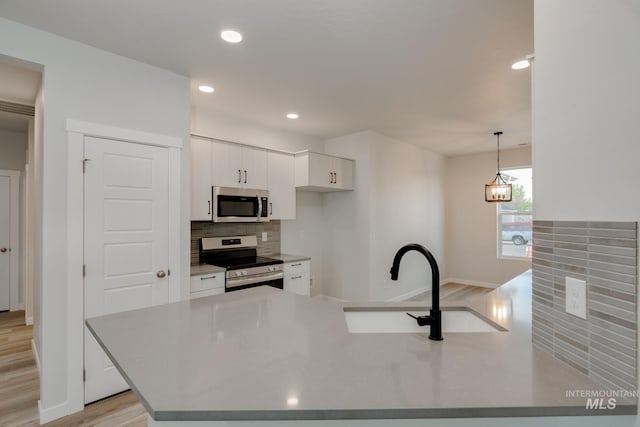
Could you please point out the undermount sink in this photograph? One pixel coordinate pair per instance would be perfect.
(397, 321)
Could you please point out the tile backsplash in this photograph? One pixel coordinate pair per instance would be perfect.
(604, 255)
(208, 229)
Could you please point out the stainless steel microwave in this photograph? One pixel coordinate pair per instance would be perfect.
(240, 205)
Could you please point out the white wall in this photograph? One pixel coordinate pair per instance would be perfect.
(407, 206)
(586, 110)
(586, 104)
(13, 149)
(471, 222)
(87, 84)
(347, 222)
(398, 199)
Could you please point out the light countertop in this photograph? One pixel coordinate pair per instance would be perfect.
(265, 354)
(290, 258)
(197, 269)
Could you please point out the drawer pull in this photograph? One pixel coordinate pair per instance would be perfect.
(296, 277)
(296, 265)
(208, 277)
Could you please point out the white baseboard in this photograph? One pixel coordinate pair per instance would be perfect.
(327, 297)
(35, 354)
(53, 412)
(470, 282)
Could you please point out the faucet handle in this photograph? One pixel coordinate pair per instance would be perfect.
(422, 320)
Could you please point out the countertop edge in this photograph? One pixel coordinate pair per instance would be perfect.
(389, 413)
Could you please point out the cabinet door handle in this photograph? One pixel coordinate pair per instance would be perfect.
(209, 202)
(208, 277)
(296, 277)
(271, 208)
(161, 274)
(335, 177)
(245, 176)
(3, 250)
(330, 177)
(239, 176)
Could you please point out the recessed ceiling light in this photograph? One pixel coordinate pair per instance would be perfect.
(231, 36)
(206, 89)
(521, 64)
(293, 116)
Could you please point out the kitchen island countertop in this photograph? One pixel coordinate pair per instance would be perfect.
(264, 354)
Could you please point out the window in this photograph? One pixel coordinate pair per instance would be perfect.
(515, 218)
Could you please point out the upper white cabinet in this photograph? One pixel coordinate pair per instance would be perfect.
(201, 179)
(282, 190)
(322, 172)
(237, 165)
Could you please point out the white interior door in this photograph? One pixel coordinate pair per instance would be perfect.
(5, 242)
(126, 242)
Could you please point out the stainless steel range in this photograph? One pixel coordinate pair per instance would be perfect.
(238, 255)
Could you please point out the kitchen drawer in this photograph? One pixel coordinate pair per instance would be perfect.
(298, 284)
(207, 293)
(297, 267)
(205, 282)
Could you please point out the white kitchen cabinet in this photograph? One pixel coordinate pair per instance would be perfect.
(323, 172)
(201, 179)
(282, 189)
(297, 277)
(236, 165)
(204, 285)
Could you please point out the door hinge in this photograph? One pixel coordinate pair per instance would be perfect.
(84, 375)
(84, 270)
(84, 165)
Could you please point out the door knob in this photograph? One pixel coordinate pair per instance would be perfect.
(161, 274)
(3, 250)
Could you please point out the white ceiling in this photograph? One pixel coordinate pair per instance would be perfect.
(430, 72)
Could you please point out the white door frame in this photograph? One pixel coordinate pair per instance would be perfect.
(76, 132)
(14, 239)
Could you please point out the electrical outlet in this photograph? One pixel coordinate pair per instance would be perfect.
(264, 236)
(576, 297)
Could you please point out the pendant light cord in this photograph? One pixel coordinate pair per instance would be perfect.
(497, 134)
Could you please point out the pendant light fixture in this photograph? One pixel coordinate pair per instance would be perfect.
(498, 190)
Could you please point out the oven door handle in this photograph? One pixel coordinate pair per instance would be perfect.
(241, 281)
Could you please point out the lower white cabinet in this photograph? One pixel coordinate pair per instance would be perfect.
(297, 277)
(204, 285)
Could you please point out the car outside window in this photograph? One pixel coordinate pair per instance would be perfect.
(515, 219)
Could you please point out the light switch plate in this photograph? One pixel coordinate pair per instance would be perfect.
(264, 236)
(576, 297)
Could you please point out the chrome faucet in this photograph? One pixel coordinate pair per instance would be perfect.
(434, 319)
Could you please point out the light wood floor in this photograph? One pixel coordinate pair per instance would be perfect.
(20, 387)
(454, 292)
(20, 383)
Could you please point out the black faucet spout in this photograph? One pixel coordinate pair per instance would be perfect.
(434, 320)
